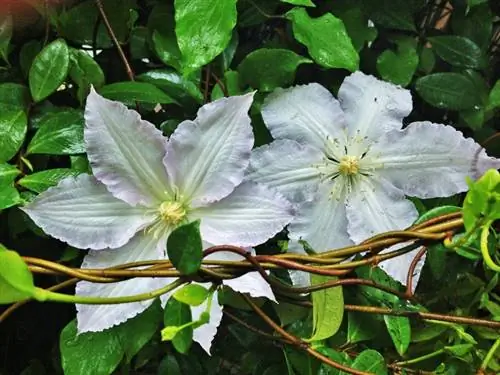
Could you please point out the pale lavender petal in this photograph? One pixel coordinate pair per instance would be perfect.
(249, 216)
(206, 158)
(95, 318)
(372, 108)
(289, 167)
(81, 212)
(428, 160)
(125, 152)
(308, 114)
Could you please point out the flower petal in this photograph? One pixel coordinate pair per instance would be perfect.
(308, 114)
(81, 212)
(206, 158)
(95, 318)
(375, 206)
(372, 108)
(249, 216)
(428, 160)
(204, 335)
(288, 166)
(323, 222)
(252, 283)
(124, 151)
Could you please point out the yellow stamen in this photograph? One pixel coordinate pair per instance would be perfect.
(349, 165)
(172, 212)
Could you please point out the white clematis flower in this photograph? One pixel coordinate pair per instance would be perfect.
(348, 163)
(145, 186)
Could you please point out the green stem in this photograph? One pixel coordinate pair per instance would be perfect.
(485, 231)
(490, 354)
(421, 358)
(46, 295)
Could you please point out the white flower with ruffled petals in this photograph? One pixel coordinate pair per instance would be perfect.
(348, 164)
(144, 186)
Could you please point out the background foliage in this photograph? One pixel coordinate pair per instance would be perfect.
(175, 55)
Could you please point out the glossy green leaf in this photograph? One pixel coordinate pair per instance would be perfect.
(97, 353)
(84, 71)
(9, 196)
(438, 211)
(49, 69)
(339, 357)
(494, 97)
(266, 69)
(13, 128)
(231, 84)
(135, 333)
(176, 315)
(356, 23)
(457, 50)
(169, 366)
(326, 39)
(482, 201)
(59, 133)
(328, 309)
(360, 327)
(370, 361)
(427, 333)
(8, 174)
(175, 85)
(41, 181)
(129, 92)
(28, 53)
(448, 91)
(185, 248)
(5, 35)
(458, 350)
(16, 281)
(305, 3)
(200, 42)
(192, 294)
(399, 66)
(391, 14)
(400, 331)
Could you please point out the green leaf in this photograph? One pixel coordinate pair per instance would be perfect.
(391, 14)
(201, 41)
(176, 315)
(135, 333)
(398, 67)
(59, 133)
(169, 366)
(28, 53)
(448, 90)
(482, 201)
(328, 309)
(9, 196)
(326, 39)
(185, 249)
(175, 85)
(13, 128)
(305, 3)
(231, 83)
(5, 35)
(162, 22)
(437, 211)
(96, 353)
(494, 97)
(356, 23)
(339, 357)
(400, 331)
(41, 181)
(457, 50)
(49, 69)
(265, 69)
(14, 95)
(192, 294)
(8, 174)
(459, 350)
(16, 281)
(84, 72)
(129, 92)
(427, 333)
(360, 327)
(370, 361)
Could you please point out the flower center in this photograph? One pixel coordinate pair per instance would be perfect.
(349, 165)
(172, 212)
